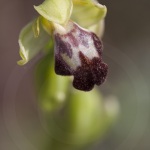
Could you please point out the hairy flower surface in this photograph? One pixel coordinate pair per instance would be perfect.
(78, 52)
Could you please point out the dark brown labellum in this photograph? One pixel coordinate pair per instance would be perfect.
(78, 52)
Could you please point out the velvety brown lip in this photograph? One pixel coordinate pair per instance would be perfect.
(91, 70)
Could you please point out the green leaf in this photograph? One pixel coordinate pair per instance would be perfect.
(88, 12)
(55, 10)
(29, 44)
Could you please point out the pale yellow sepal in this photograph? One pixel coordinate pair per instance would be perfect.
(57, 11)
(98, 28)
(88, 12)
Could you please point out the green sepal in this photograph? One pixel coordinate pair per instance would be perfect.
(32, 40)
(88, 12)
(55, 10)
(98, 28)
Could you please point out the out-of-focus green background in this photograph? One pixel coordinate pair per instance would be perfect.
(127, 45)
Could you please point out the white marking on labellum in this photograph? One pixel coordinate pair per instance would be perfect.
(78, 52)
(80, 40)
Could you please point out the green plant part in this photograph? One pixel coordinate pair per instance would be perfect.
(83, 119)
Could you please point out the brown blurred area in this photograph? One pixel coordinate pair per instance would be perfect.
(127, 51)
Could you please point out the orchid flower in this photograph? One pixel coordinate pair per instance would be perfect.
(76, 27)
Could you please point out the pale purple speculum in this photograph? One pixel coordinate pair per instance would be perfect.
(78, 52)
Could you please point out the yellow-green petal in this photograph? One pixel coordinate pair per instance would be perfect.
(36, 27)
(31, 41)
(88, 12)
(57, 11)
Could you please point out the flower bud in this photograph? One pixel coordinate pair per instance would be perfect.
(83, 120)
(52, 90)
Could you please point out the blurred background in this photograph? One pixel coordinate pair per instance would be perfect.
(127, 44)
